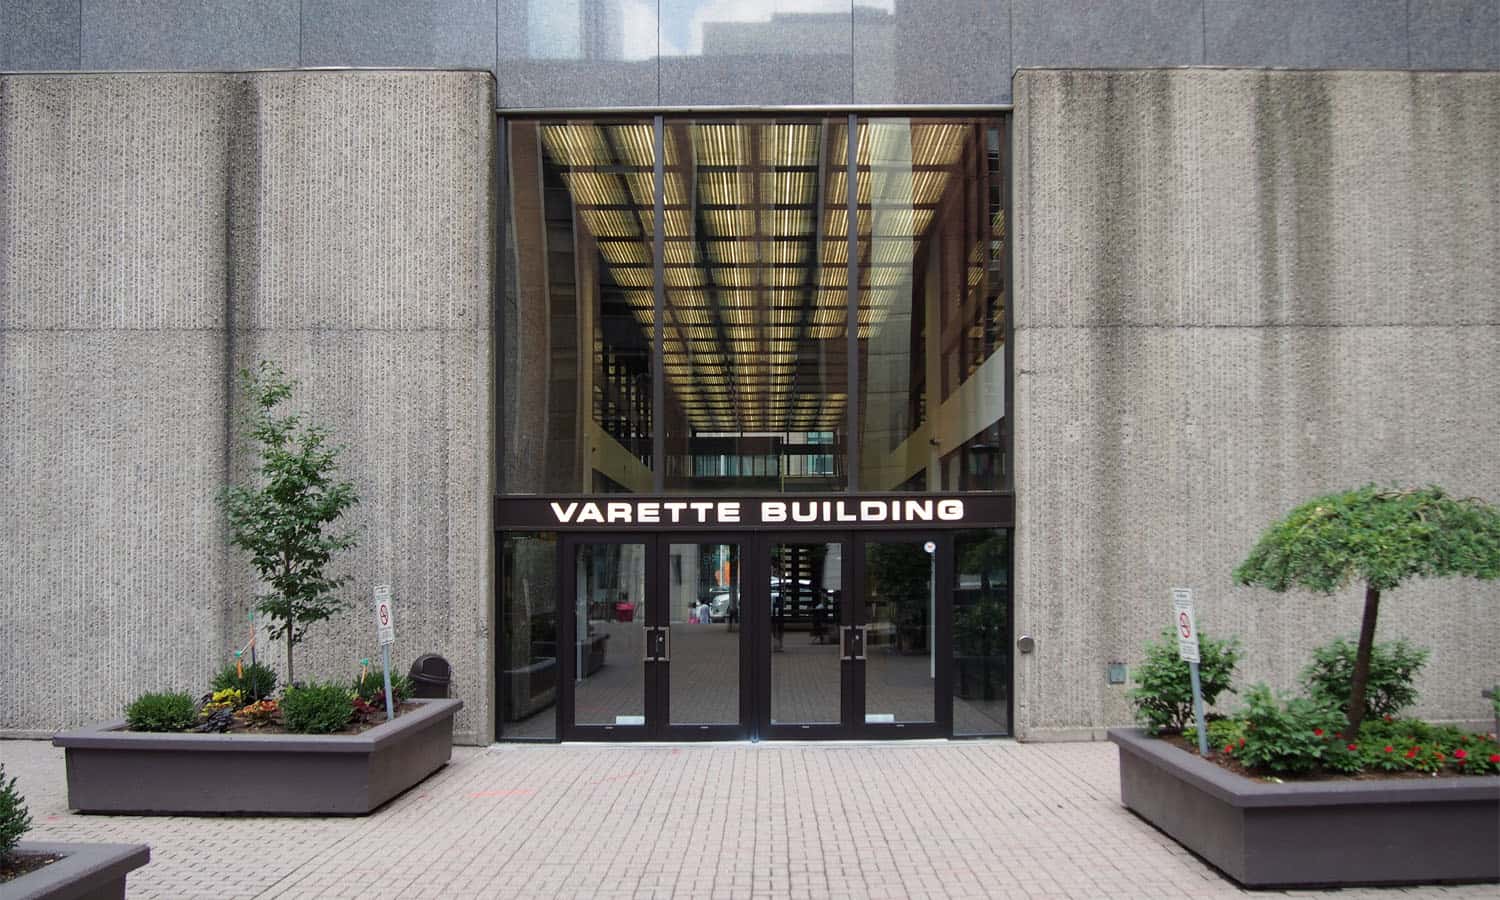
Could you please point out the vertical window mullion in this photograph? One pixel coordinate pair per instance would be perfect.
(659, 302)
(851, 404)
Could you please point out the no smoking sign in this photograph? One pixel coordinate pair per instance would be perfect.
(1187, 629)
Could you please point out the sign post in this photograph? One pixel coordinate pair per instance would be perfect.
(385, 629)
(1187, 650)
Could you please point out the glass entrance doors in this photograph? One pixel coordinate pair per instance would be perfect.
(812, 636)
(656, 638)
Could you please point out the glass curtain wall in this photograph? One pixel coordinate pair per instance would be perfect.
(579, 412)
(749, 390)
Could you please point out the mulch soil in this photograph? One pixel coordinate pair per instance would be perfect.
(1234, 765)
(18, 864)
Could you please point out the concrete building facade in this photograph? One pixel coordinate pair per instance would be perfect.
(1229, 287)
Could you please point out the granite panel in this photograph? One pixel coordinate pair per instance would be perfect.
(715, 54)
(1454, 34)
(1295, 33)
(216, 35)
(1084, 33)
(38, 35)
(1186, 372)
(933, 52)
(417, 33)
(573, 54)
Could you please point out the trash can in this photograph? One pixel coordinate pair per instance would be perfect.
(430, 676)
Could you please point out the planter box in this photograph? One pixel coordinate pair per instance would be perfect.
(111, 770)
(85, 872)
(1314, 833)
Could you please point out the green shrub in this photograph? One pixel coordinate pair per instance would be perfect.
(1389, 689)
(161, 712)
(372, 687)
(14, 819)
(259, 681)
(317, 708)
(1222, 733)
(1164, 698)
(1293, 738)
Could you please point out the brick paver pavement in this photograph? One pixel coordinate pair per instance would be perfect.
(925, 819)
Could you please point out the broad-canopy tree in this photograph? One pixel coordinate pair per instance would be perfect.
(1380, 536)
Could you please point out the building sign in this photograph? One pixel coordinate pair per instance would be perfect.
(615, 513)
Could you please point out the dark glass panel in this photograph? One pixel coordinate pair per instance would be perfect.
(528, 604)
(806, 672)
(981, 632)
(704, 611)
(609, 669)
(900, 606)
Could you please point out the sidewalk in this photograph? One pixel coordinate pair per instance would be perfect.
(920, 820)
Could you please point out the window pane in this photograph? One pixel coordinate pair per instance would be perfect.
(931, 303)
(755, 355)
(528, 603)
(981, 632)
(578, 399)
(705, 618)
(900, 602)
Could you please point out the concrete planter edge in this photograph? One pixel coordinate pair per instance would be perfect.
(1313, 834)
(111, 770)
(85, 872)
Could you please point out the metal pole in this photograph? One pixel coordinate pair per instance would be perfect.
(1198, 710)
(385, 666)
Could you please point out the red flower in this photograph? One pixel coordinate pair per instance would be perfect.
(1318, 732)
(1242, 742)
(1389, 748)
(1460, 755)
(1353, 746)
(1387, 717)
(1438, 755)
(1495, 757)
(1228, 748)
(1412, 753)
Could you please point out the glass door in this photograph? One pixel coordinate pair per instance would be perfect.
(610, 638)
(703, 602)
(902, 612)
(809, 646)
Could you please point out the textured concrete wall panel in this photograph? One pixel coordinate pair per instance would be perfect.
(1237, 290)
(162, 231)
(112, 563)
(115, 194)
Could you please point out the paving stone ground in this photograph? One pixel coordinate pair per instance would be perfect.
(917, 819)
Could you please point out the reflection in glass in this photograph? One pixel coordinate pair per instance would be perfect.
(609, 672)
(931, 303)
(899, 609)
(528, 599)
(578, 397)
(755, 354)
(705, 615)
(806, 671)
(981, 632)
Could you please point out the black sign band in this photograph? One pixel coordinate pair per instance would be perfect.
(783, 511)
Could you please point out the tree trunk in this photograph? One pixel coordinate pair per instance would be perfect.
(289, 645)
(1356, 711)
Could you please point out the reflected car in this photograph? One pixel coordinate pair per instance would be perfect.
(722, 601)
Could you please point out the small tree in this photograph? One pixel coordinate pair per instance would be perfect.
(1381, 537)
(282, 519)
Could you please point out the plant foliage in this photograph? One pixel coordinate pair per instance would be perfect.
(371, 688)
(259, 680)
(1390, 687)
(283, 519)
(15, 820)
(1164, 696)
(317, 708)
(161, 712)
(1286, 738)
